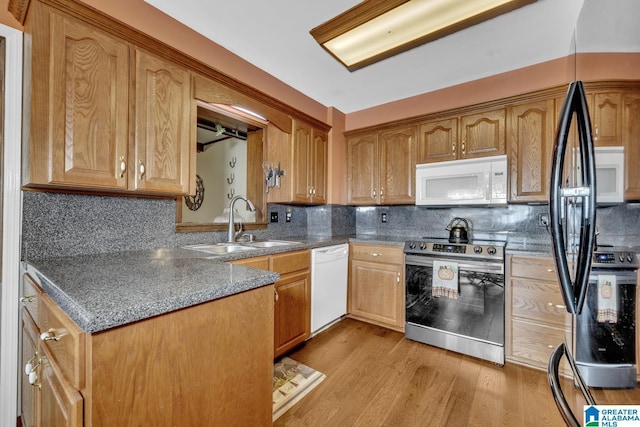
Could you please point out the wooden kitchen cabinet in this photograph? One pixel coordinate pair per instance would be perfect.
(536, 317)
(631, 139)
(531, 129)
(189, 366)
(50, 396)
(381, 167)
(83, 133)
(309, 151)
(376, 285)
(292, 296)
(605, 109)
(468, 136)
(303, 156)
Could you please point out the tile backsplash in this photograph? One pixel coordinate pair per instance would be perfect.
(56, 224)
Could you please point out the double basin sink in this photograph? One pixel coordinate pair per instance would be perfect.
(227, 248)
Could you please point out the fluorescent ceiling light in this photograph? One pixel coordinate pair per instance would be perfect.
(377, 29)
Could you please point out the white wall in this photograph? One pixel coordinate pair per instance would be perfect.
(11, 220)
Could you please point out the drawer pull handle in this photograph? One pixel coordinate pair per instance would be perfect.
(30, 367)
(375, 254)
(550, 346)
(561, 307)
(33, 379)
(550, 270)
(27, 299)
(275, 296)
(398, 278)
(50, 335)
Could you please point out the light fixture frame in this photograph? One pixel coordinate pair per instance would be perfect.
(367, 10)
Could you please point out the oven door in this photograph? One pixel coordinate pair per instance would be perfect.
(477, 313)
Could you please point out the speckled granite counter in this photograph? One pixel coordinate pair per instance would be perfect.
(100, 292)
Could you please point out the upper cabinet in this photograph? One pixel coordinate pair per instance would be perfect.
(531, 131)
(303, 156)
(381, 167)
(631, 140)
(468, 136)
(605, 109)
(163, 125)
(83, 133)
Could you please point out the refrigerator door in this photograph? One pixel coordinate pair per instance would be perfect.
(572, 207)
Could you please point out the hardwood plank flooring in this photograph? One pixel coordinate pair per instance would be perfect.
(376, 377)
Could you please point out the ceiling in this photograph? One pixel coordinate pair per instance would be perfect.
(274, 36)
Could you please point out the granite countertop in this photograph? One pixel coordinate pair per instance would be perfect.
(104, 291)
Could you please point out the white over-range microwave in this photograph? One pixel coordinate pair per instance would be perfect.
(609, 174)
(481, 181)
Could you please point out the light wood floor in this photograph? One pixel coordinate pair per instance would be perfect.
(376, 377)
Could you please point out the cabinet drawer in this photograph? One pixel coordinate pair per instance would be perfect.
(31, 294)
(260, 262)
(67, 352)
(377, 253)
(538, 301)
(535, 267)
(535, 343)
(290, 262)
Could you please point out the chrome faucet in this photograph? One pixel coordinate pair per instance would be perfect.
(231, 233)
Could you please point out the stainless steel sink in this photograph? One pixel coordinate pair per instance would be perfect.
(271, 243)
(223, 248)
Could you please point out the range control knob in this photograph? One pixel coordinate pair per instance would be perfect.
(423, 245)
(621, 257)
(412, 245)
(477, 249)
(629, 258)
(491, 250)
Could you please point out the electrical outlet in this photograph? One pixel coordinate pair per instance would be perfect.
(384, 217)
(274, 216)
(287, 216)
(543, 219)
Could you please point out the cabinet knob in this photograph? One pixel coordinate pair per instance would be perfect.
(374, 193)
(123, 166)
(27, 299)
(453, 148)
(381, 192)
(141, 168)
(30, 367)
(50, 335)
(275, 296)
(596, 132)
(398, 278)
(463, 148)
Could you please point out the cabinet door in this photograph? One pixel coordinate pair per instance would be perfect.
(362, 169)
(301, 152)
(397, 166)
(376, 292)
(482, 134)
(606, 113)
(531, 136)
(61, 404)
(319, 165)
(29, 396)
(163, 109)
(631, 139)
(87, 107)
(292, 316)
(438, 141)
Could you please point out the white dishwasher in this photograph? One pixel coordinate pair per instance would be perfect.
(329, 269)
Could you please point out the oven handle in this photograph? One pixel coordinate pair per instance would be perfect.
(482, 267)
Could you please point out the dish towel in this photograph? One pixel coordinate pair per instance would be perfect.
(607, 298)
(445, 279)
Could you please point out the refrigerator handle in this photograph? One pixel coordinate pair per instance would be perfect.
(573, 292)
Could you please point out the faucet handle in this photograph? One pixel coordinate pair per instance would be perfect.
(239, 232)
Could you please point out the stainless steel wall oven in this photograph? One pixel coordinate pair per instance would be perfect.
(455, 296)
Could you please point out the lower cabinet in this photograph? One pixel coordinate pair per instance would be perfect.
(209, 364)
(292, 296)
(376, 285)
(537, 320)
